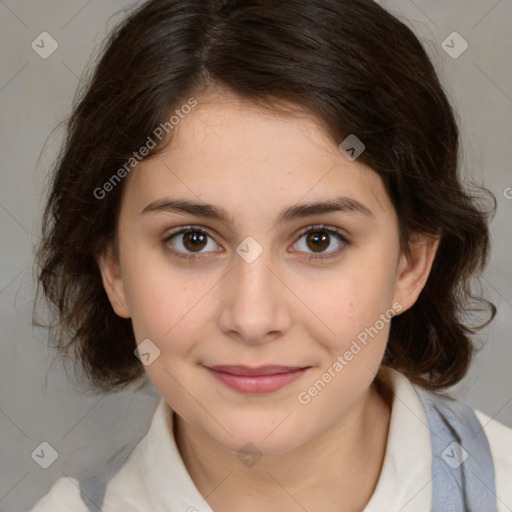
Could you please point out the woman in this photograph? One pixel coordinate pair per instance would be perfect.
(258, 209)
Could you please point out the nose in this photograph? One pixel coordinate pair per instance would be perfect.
(255, 306)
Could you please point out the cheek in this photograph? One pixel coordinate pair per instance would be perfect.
(167, 312)
(352, 300)
(168, 306)
(358, 309)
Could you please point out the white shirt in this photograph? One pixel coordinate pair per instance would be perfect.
(154, 477)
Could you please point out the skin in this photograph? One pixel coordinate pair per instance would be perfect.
(282, 308)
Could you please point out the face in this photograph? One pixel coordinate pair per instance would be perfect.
(264, 327)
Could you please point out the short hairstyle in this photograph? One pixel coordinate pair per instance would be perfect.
(358, 69)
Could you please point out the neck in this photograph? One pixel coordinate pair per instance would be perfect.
(337, 471)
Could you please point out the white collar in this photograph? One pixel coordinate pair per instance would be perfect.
(404, 483)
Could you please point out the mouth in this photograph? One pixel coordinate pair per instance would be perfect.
(256, 380)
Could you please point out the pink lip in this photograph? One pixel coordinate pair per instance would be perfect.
(261, 379)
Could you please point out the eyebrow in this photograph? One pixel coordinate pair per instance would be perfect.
(340, 204)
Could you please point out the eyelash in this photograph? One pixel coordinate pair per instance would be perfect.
(311, 229)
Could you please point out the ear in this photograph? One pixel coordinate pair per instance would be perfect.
(414, 269)
(113, 282)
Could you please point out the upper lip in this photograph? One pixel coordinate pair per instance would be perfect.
(255, 370)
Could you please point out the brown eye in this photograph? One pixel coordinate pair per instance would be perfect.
(194, 240)
(318, 239)
(189, 242)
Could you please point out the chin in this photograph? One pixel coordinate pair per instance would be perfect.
(262, 440)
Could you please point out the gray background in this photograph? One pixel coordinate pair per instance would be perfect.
(35, 97)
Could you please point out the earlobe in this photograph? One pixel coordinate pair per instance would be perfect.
(113, 282)
(414, 268)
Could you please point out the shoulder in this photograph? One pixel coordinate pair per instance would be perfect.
(500, 443)
(62, 497)
(120, 480)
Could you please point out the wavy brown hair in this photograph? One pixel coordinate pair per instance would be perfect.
(352, 64)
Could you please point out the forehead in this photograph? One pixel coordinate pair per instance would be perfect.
(232, 152)
(225, 122)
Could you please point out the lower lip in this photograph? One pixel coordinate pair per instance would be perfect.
(257, 383)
